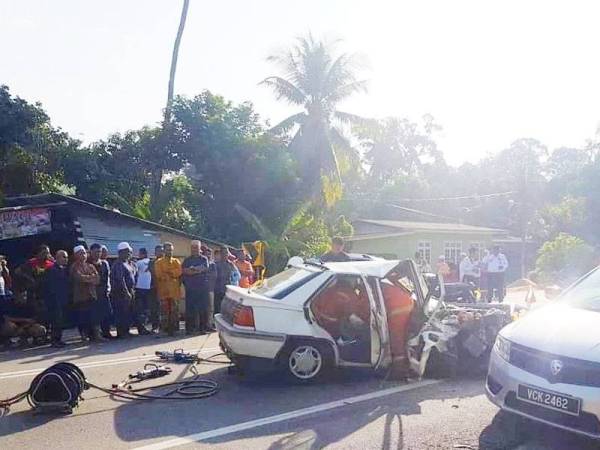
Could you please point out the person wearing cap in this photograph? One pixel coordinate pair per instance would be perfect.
(122, 282)
(168, 284)
(104, 308)
(56, 295)
(84, 279)
(104, 253)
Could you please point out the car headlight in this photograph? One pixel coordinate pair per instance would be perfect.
(502, 348)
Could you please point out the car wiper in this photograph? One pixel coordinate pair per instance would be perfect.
(315, 263)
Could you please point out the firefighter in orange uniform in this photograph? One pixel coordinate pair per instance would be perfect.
(399, 305)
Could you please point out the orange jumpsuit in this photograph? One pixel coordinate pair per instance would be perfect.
(399, 306)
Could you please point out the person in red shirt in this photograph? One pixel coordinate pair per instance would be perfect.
(33, 273)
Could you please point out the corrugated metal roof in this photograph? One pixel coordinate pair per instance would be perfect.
(432, 226)
(39, 199)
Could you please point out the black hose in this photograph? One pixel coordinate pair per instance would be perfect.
(194, 389)
(61, 386)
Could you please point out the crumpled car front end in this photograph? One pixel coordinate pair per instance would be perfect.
(456, 338)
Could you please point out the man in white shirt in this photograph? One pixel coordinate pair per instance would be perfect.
(497, 264)
(143, 287)
(469, 269)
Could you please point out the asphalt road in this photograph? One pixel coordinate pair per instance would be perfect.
(347, 410)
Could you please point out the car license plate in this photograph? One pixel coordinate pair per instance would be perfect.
(551, 400)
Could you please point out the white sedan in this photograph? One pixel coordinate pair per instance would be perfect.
(372, 314)
(546, 366)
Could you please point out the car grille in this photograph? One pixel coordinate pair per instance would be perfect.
(584, 422)
(574, 371)
(229, 307)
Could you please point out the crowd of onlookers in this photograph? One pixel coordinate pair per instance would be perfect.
(486, 273)
(105, 299)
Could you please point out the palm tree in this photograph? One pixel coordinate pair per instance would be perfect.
(158, 172)
(316, 78)
(171, 89)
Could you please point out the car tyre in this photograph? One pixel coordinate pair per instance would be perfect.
(306, 361)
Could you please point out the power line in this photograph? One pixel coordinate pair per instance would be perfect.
(465, 197)
(422, 213)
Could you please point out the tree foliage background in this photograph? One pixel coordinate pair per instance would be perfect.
(226, 174)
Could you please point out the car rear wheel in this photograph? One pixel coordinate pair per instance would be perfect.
(305, 361)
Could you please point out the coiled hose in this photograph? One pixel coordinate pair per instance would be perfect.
(62, 385)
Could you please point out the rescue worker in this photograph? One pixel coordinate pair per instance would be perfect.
(168, 284)
(399, 305)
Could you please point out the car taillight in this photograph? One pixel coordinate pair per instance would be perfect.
(244, 317)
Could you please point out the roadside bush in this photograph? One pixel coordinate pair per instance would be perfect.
(564, 258)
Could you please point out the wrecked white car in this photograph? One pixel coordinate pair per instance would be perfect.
(376, 314)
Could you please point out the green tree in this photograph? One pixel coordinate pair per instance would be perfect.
(396, 148)
(317, 78)
(564, 259)
(570, 215)
(231, 159)
(32, 151)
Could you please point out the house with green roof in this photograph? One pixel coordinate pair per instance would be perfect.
(402, 239)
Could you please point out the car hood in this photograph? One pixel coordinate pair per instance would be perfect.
(558, 329)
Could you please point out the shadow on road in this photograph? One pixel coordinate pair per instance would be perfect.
(246, 399)
(24, 420)
(508, 432)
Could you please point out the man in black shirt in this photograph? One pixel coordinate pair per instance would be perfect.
(336, 254)
(195, 279)
(57, 291)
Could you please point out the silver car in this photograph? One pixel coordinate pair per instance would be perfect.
(546, 366)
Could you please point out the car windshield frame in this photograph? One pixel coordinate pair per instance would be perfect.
(284, 283)
(575, 296)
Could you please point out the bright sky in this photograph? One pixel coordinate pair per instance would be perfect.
(489, 72)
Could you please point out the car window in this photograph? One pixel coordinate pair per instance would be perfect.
(282, 284)
(342, 296)
(585, 294)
